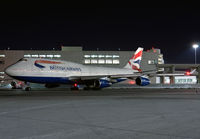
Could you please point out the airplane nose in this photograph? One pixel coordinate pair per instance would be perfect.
(9, 71)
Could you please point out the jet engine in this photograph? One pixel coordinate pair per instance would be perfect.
(17, 84)
(97, 84)
(101, 83)
(142, 81)
(13, 84)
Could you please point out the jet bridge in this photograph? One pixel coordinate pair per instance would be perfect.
(171, 70)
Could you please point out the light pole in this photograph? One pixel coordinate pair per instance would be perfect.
(195, 46)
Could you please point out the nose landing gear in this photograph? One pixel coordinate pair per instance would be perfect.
(27, 88)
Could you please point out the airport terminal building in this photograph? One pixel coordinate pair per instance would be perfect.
(117, 59)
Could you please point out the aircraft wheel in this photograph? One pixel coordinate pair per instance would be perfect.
(28, 89)
(75, 87)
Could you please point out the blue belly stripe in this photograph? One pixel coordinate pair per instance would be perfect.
(60, 80)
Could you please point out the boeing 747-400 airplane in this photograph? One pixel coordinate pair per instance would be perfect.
(55, 72)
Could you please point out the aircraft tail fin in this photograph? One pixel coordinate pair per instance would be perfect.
(135, 60)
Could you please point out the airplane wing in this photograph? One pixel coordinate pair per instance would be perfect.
(101, 76)
(149, 73)
(130, 76)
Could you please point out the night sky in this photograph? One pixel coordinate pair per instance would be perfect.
(45, 27)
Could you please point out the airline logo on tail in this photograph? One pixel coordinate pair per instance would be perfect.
(39, 62)
(134, 62)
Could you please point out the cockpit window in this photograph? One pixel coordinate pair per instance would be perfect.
(23, 59)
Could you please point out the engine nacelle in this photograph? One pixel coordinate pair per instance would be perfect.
(17, 84)
(101, 83)
(142, 81)
(13, 84)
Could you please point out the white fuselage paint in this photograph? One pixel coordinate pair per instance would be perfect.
(65, 69)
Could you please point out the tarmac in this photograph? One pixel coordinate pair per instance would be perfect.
(102, 114)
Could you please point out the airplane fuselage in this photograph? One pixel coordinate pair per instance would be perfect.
(57, 71)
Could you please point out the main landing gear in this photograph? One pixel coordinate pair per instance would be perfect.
(75, 86)
(27, 88)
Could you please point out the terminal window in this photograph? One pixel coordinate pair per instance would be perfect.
(2, 55)
(108, 61)
(101, 56)
(109, 56)
(94, 61)
(116, 61)
(151, 62)
(34, 55)
(87, 61)
(115, 56)
(87, 56)
(101, 61)
(50, 56)
(94, 56)
(57, 56)
(27, 55)
(42, 55)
